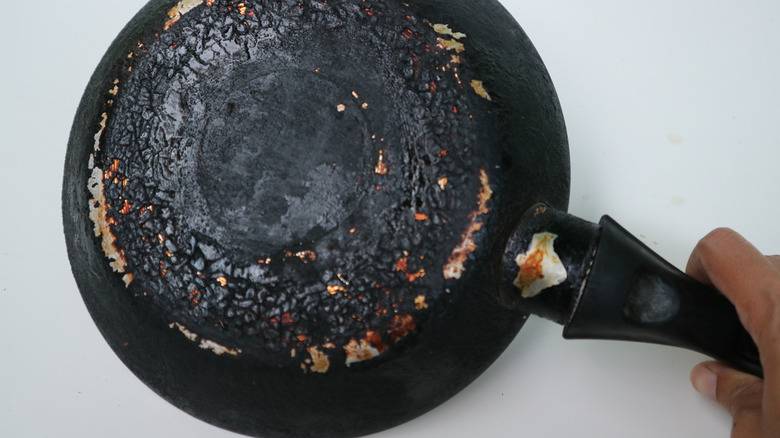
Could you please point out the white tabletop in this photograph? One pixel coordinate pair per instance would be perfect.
(673, 111)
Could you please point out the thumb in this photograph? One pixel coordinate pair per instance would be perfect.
(739, 393)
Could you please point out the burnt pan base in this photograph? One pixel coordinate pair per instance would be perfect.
(287, 218)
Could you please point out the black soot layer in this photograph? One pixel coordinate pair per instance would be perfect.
(291, 176)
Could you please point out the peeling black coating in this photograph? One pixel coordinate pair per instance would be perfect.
(229, 134)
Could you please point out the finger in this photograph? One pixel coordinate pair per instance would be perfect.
(746, 277)
(739, 393)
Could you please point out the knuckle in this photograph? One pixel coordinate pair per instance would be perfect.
(765, 319)
(715, 239)
(713, 243)
(743, 401)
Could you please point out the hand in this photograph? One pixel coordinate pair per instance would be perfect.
(751, 282)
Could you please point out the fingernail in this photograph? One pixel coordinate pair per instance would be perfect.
(704, 380)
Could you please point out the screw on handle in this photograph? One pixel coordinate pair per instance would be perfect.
(633, 294)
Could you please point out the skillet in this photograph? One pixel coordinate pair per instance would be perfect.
(305, 219)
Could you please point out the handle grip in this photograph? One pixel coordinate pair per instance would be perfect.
(633, 294)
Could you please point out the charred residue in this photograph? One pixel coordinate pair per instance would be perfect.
(456, 264)
(311, 230)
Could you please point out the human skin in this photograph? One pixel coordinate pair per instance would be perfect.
(751, 281)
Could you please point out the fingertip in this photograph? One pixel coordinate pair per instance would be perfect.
(705, 380)
(713, 243)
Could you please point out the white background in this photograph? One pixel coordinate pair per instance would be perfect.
(672, 110)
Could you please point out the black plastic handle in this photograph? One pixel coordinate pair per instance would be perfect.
(631, 293)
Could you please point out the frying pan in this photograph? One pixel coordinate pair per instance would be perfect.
(326, 218)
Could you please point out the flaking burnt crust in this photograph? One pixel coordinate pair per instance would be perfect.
(273, 300)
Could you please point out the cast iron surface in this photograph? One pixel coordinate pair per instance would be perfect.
(287, 218)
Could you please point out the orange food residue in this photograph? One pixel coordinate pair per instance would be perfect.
(402, 326)
(456, 263)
